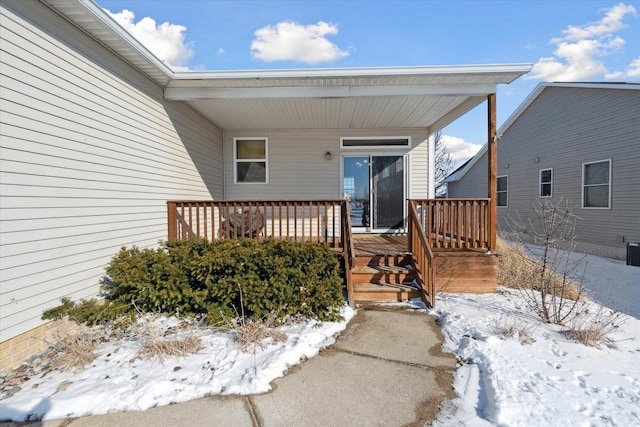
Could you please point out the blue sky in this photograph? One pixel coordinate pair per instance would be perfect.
(565, 40)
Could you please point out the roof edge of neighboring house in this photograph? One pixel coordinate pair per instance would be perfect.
(465, 167)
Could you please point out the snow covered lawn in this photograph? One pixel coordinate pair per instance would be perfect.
(501, 381)
(552, 381)
(120, 380)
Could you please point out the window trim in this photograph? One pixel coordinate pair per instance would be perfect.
(582, 188)
(236, 160)
(540, 183)
(364, 146)
(506, 191)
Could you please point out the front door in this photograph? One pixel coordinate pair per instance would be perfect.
(375, 188)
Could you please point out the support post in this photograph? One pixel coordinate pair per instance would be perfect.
(492, 169)
(172, 229)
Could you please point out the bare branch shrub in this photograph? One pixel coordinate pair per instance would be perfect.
(543, 268)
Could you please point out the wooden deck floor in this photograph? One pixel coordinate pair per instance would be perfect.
(374, 244)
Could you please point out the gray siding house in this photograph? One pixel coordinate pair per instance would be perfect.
(578, 142)
(97, 135)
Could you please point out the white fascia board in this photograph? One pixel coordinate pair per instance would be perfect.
(184, 94)
(103, 18)
(518, 69)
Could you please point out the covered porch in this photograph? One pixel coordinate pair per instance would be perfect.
(445, 246)
(314, 154)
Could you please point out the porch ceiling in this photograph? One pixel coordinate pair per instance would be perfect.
(348, 98)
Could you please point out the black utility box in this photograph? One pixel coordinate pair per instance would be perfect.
(633, 253)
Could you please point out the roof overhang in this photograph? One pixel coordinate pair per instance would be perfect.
(327, 98)
(90, 18)
(342, 98)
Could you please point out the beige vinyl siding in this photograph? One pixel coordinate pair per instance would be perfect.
(90, 153)
(563, 128)
(475, 182)
(298, 168)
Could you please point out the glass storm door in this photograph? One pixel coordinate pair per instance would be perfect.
(375, 188)
(355, 188)
(387, 192)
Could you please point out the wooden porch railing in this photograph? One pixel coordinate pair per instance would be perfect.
(422, 256)
(455, 223)
(348, 251)
(302, 220)
(326, 221)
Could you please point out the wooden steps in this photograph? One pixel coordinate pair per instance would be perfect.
(382, 270)
(368, 292)
(383, 278)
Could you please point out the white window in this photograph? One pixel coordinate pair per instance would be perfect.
(250, 160)
(546, 182)
(375, 142)
(503, 191)
(596, 184)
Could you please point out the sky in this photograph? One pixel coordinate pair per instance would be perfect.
(564, 40)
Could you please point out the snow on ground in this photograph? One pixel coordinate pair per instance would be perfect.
(612, 283)
(608, 281)
(119, 380)
(552, 381)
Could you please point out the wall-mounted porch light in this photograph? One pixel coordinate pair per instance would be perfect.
(327, 155)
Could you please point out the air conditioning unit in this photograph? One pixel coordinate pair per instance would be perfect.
(633, 253)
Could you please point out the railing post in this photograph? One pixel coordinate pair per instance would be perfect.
(172, 219)
(492, 167)
(409, 229)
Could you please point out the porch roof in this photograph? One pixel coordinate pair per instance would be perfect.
(338, 98)
(343, 98)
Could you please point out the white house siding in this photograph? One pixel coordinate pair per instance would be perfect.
(298, 168)
(563, 128)
(90, 153)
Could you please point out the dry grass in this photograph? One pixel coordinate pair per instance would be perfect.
(517, 270)
(515, 328)
(251, 335)
(594, 328)
(155, 345)
(76, 351)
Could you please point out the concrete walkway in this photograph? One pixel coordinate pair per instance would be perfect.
(386, 369)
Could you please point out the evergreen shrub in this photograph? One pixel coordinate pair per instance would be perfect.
(221, 279)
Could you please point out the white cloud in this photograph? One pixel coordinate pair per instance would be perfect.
(290, 41)
(634, 68)
(578, 51)
(166, 41)
(460, 149)
(611, 23)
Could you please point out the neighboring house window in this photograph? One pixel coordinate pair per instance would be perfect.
(546, 182)
(250, 160)
(596, 184)
(503, 190)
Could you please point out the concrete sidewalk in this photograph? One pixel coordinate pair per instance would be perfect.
(386, 369)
